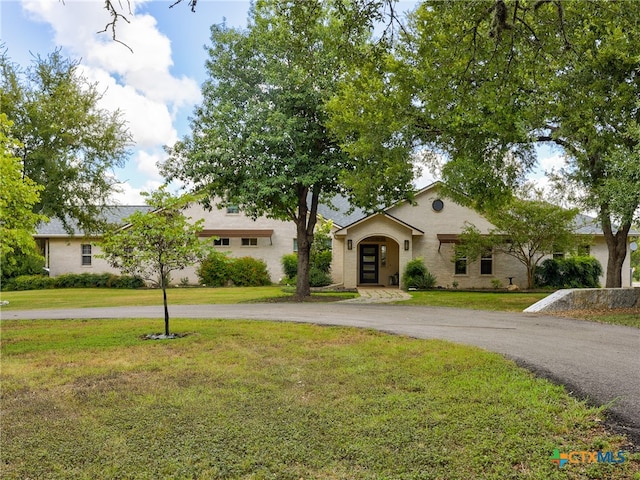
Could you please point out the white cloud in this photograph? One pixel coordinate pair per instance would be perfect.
(146, 163)
(139, 84)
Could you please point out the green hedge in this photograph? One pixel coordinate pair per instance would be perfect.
(218, 270)
(72, 280)
(569, 272)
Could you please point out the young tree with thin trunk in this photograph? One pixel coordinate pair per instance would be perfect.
(153, 244)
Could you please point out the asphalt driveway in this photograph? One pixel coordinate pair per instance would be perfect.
(597, 362)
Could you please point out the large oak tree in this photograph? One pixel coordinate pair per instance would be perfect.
(484, 82)
(68, 144)
(260, 139)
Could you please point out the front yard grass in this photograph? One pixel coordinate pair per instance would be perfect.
(114, 297)
(485, 300)
(235, 399)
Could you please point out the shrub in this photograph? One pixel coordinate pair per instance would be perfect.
(570, 272)
(249, 272)
(29, 282)
(321, 260)
(72, 280)
(214, 270)
(417, 276)
(318, 278)
(127, 281)
(290, 264)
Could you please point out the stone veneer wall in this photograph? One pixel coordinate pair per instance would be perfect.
(588, 298)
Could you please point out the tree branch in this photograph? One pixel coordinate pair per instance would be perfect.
(115, 15)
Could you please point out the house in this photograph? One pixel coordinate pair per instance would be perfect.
(367, 249)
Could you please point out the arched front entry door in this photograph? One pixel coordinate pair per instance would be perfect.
(378, 261)
(369, 263)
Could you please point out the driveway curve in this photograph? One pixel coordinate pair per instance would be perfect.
(596, 362)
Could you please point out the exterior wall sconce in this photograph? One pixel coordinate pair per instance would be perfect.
(406, 244)
(349, 244)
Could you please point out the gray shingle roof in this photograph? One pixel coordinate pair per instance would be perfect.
(339, 210)
(112, 214)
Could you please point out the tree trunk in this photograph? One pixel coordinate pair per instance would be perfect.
(617, 247)
(305, 224)
(164, 299)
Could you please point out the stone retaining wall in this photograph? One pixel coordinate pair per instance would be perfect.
(588, 298)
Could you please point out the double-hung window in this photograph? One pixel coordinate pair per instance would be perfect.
(86, 254)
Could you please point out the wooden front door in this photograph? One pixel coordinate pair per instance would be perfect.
(369, 264)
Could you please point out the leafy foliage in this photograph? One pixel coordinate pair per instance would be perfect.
(213, 270)
(290, 264)
(526, 230)
(569, 272)
(18, 195)
(416, 276)
(68, 145)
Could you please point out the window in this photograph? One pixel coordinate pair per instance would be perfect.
(233, 210)
(383, 255)
(486, 263)
(461, 266)
(249, 242)
(221, 242)
(295, 244)
(86, 254)
(437, 205)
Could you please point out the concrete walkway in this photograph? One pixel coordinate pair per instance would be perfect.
(379, 295)
(594, 361)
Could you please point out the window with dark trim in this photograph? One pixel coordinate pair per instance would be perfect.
(461, 266)
(486, 263)
(221, 242)
(250, 242)
(86, 254)
(233, 209)
(295, 245)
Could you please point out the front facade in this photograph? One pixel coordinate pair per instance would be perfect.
(375, 249)
(367, 249)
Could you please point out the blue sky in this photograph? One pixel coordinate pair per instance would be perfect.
(156, 87)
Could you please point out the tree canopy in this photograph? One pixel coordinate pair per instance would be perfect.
(68, 144)
(484, 83)
(260, 139)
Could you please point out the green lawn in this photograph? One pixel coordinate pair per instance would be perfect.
(256, 400)
(112, 297)
(487, 300)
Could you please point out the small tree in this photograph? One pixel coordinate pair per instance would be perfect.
(151, 245)
(526, 230)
